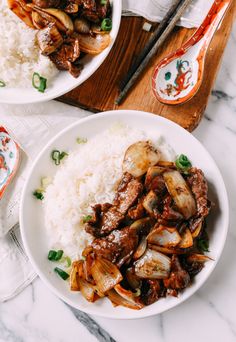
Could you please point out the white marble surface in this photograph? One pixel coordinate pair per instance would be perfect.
(36, 315)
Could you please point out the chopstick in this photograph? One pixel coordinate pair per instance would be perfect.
(165, 27)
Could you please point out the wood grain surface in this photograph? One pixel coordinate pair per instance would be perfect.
(99, 92)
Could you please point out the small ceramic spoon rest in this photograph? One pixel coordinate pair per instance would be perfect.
(178, 77)
(9, 159)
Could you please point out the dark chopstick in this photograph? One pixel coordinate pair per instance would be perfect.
(165, 27)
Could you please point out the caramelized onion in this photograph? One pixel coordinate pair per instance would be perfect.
(81, 25)
(201, 258)
(166, 250)
(153, 265)
(105, 274)
(119, 300)
(198, 230)
(87, 290)
(141, 248)
(94, 45)
(21, 9)
(139, 157)
(187, 239)
(164, 236)
(180, 192)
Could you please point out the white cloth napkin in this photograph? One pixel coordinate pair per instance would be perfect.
(154, 10)
(33, 126)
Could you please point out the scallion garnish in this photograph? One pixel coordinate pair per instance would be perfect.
(183, 163)
(39, 82)
(106, 24)
(203, 245)
(103, 2)
(58, 255)
(2, 84)
(64, 275)
(81, 140)
(137, 293)
(87, 218)
(57, 156)
(51, 255)
(66, 260)
(38, 194)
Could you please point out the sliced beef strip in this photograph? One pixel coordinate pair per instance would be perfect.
(118, 246)
(129, 190)
(105, 219)
(179, 278)
(137, 212)
(151, 291)
(66, 56)
(199, 187)
(170, 213)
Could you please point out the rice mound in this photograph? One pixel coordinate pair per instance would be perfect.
(89, 175)
(20, 56)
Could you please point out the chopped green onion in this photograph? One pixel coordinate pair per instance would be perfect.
(183, 163)
(87, 218)
(67, 260)
(83, 258)
(51, 255)
(137, 293)
(58, 255)
(2, 84)
(38, 194)
(57, 156)
(81, 140)
(106, 24)
(64, 275)
(103, 2)
(203, 245)
(45, 181)
(39, 82)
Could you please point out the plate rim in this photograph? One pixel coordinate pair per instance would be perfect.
(55, 94)
(129, 315)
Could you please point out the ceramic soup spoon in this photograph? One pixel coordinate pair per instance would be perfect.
(9, 159)
(178, 77)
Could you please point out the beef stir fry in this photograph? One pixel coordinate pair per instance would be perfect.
(147, 243)
(67, 29)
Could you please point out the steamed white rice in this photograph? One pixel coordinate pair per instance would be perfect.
(20, 56)
(89, 175)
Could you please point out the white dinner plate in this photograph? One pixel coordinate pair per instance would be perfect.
(64, 82)
(31, 212)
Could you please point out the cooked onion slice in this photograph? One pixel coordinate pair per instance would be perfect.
(141, 248)
(49, 39)
(94, 45)
(180, 192)
(74, 275)
(201, 258)
(197, 231)
(87, 290)
(82, 25)
(150, 203)
(139, 157)
(56, 16)
(21, 9)
(164, 236)
(153, 265)
(187, 239)
(105, 274)
(119, 300)
(166, 250)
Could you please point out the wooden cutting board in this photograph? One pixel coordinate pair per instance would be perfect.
(100, 90)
